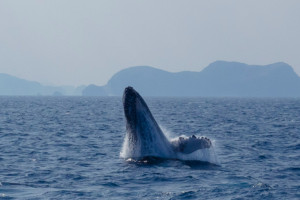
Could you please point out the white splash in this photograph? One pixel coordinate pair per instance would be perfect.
(125, 152)
(204, 155)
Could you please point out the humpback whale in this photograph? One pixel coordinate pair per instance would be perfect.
(144, 137)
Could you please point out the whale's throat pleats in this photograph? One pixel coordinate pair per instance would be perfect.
(150, 140)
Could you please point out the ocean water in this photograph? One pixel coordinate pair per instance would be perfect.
(69, 148)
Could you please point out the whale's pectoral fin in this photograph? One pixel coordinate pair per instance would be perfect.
(191, 144)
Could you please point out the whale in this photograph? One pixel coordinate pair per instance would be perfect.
(145, 138)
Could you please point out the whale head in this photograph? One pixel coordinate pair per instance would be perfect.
(144, 136)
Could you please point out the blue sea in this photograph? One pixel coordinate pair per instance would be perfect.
(69, 148)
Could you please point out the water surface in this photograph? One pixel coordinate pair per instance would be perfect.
(69, 148)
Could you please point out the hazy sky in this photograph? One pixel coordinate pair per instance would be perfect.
(73, 42)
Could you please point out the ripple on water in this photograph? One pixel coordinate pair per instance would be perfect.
(69, 147)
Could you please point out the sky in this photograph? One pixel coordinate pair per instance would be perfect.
(74, 42)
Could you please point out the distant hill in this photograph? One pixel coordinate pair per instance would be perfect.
(219, 79)
(10, 85)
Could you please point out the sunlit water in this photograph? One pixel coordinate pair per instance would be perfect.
(69, 148)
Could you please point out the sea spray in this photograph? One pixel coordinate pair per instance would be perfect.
(130, 150)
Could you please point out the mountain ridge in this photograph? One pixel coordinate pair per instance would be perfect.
(219, 79)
